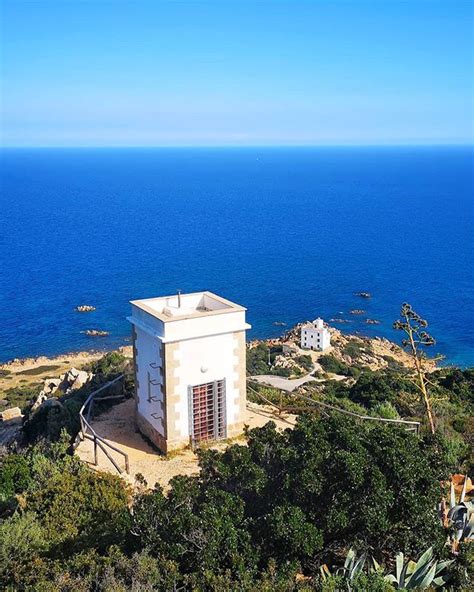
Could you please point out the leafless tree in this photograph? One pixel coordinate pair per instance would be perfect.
(417, 339)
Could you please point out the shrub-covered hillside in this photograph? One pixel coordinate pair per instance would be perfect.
(265, 516)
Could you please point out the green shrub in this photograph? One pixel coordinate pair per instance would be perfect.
(331, 364)
(355, 349)
(372, 388)
(22, 539)
(79, 508)
(15, 477)
(354, 482)
(108, 366)
(362, 583)
(385, 410)
(257, 360)
(20, 396)
(305, 361)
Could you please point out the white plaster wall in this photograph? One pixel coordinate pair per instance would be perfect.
(147, 320)
(309, 337)
(148, 351)
(325, 339)
(216, 355)
(205, 325)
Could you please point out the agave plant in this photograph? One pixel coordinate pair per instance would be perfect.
(351, 569)
(460, 518)
(420, 575)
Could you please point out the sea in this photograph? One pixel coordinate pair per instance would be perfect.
(290, 233)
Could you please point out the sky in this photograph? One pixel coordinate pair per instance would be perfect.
(227, 73)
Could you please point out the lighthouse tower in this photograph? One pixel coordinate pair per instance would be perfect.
(315, 336)
(190, 375)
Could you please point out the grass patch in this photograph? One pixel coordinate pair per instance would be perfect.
(39, 370)
(20, 396)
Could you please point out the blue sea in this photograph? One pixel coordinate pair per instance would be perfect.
(291, 233)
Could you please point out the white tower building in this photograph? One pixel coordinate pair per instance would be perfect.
(190, 379)
(315, 336)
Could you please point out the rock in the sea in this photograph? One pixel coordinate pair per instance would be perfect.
(95, 333)
(85, 308)
(12, 413)
(363, 294)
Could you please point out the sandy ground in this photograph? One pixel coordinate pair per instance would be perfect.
(117, 426)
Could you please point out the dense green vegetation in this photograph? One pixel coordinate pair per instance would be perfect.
(261, 358)
(254, 518)
(331, 364)
(389, 393)
(262, 517)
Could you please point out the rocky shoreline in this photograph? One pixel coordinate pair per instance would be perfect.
(85, 356)
(373, 353)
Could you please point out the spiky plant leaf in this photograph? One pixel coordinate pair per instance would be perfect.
(325, 573)
(440, 581)
(452, 497)
(359, 565)
(399, 560)
(425, 558)
(424, 577)
(376, 565)
(391, 578)
(350, 558)
(443, 565)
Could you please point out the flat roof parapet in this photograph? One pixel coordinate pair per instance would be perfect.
(186, 306)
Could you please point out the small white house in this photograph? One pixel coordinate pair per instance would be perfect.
(190, 379)
(315, 336)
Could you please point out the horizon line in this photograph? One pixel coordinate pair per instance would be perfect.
(222, 146)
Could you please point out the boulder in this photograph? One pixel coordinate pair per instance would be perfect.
(50, 403)
(12, 413)
(81, 379)
(40, 399)
(51, 385)
(72, 374)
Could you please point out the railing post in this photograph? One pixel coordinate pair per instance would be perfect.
(96, 462)
(85, 416)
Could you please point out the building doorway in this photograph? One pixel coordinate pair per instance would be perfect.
(207, 411)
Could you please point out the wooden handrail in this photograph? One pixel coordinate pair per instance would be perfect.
(412, 425)
(88, 431)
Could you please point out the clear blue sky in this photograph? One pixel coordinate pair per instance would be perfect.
(118, 72)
